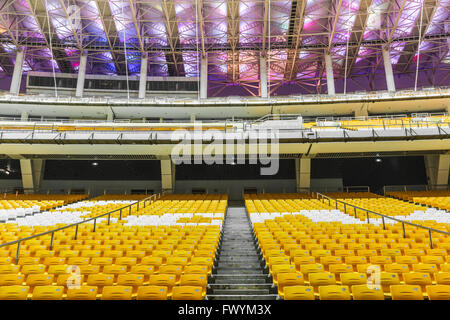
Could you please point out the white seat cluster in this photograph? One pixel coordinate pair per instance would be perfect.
(13, 214)
(431, 214)
(33, 216)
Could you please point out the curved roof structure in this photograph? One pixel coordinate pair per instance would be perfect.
(292, 36)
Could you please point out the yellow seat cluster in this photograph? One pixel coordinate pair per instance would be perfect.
(114, 262)
(337, 261)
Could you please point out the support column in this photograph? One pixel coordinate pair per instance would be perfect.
(437, 169)
(388, 70)
(303, 174)
(204, 78)
(362, 111)
(167, 175)
(17, 73)
(330, 75)
(192, 117)
(32, 172)
(263, 77)
(110, 116)
(24, 116)
(81, 76)
(143, 76)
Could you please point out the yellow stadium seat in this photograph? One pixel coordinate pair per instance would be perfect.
(82, 293)
(438, 292)
(187, 293)
(50, 261)
(287, 280)
(195, 269)
(318, 279)
(353, 278)
(32, 269)
(145, 270)
(115, 269)
(9, 268)
(421, 279)
(171, 269)
(102, 261)
(388, 279)
(299, 293)
(100, 280)
(117, 293)
(281, 268)
(164, 280)
(132, 280)
(196, 280)
(39, 279)
(152, 293)
(48, 293)
(355, 260)
(425, 268)
(406, 292)
(442, 278)
(156, 262)
(334, 292)
(338, 269)
(367, 292)
(14, 292)
(59, 269)
(307, 269)
(10, 279)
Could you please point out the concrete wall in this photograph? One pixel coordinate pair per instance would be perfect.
(98, 187)
(234, 188)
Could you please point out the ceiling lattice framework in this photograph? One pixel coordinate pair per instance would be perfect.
(293, 35)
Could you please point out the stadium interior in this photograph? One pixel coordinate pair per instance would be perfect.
(224, 150)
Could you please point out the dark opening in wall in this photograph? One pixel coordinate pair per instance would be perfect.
(286, 170)
(372, 172)
(10, 169)
(102, 170)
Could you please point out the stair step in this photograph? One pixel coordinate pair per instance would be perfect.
(250, 281)
(239, 265)
(241, 291)
(240, 286)
(239, 271)
(242, 297)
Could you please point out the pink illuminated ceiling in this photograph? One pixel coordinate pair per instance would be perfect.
(293, 36)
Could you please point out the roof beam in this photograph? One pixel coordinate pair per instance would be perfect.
(335, 19)
(391, 36)
(265, 27)
(357, 34)
(41, 16)
(429, 9)
(72, 27)
(134, 12)
(397, 19)
(174, 59)
(294, 40)
(233, 40)
(201, 25)
(5, 61)
(112, 35)
(331, 23)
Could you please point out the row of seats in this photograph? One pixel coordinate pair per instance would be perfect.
(85, 292)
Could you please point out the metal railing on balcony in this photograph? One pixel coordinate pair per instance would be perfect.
(123, 212)
(330, 200)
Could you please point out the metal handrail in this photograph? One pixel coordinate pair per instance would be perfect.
(383, 217)
(150, 199)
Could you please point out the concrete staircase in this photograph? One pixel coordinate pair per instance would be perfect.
(239, 272)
